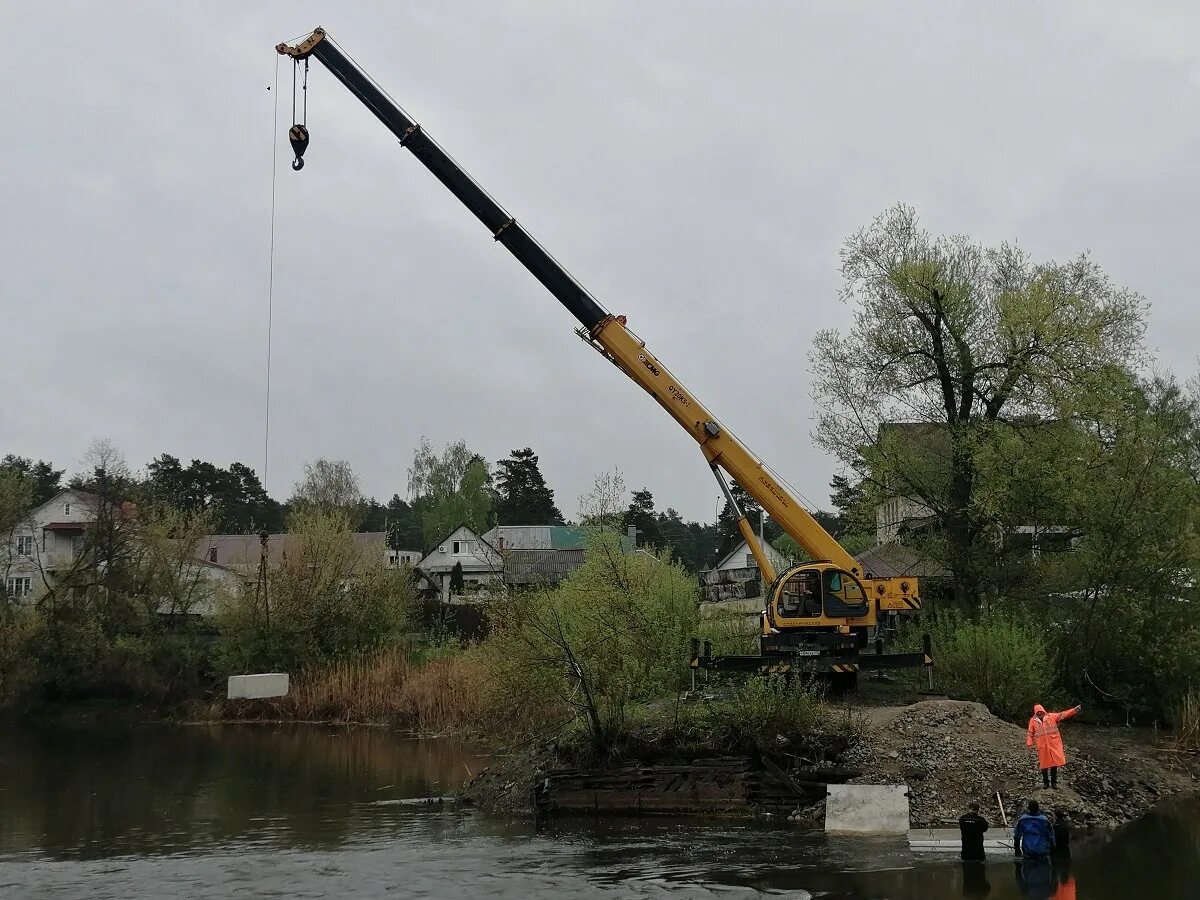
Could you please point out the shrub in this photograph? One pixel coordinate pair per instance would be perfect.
(731, 631)
(764, 714)
(19, 669)
(326, 601)
(996, 658)
(617, 631)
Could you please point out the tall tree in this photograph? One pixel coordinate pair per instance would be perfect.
(962, 338)
(523, 497)
(330, 486)
(46, 480)
(449, 489)
(641, 516)
(16, 501)
(403, 525)
(232, 499)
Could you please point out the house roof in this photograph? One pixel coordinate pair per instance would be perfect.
(86, 496)
(891, 560)
(534, 566)
(544, 537)
(67, 526)
(243, 551)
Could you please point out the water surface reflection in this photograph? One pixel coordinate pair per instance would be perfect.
(102, 812)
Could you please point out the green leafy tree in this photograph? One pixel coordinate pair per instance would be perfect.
(17, 493)
(615, 632)
(330, 599)
(522, 495)
(449, 489)
(960, 338)
(329, 486)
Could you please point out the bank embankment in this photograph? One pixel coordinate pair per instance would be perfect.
(949, 754)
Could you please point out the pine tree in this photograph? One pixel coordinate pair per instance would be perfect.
(728, 535)
(524, 498)
(641, 516)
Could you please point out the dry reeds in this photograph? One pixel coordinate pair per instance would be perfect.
(442, 695)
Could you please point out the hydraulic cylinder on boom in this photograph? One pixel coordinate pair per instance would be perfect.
(818, 615)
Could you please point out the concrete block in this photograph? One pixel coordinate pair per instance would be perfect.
(867, 809)
(256, 687)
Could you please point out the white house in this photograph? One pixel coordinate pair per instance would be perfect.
(740, 557)
(50, 540)
(47, 542)
(481, 563)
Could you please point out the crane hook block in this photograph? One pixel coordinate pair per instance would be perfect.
(298, 135)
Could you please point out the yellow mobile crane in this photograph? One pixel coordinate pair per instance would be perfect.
(819, 615)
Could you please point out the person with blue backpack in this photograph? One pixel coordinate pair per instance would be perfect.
(1034, 835)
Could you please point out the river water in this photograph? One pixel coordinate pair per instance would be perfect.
(96, 812)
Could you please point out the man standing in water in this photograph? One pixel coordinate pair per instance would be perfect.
(971, 828)
(1033, 842)
(1033, 837)
(1043, 733)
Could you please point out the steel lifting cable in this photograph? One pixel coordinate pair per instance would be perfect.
(298, 133)
(271, 280)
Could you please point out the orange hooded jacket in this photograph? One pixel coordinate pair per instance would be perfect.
(1044, 734)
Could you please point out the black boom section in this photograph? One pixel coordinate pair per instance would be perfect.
(504, 228)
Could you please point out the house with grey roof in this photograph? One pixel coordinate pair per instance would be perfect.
(509, 555)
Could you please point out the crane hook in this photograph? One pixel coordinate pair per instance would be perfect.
(298, 135)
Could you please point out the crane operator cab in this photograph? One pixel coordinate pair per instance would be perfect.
(816, 603)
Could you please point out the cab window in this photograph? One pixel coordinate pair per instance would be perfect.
(843, 595)
(800, 596)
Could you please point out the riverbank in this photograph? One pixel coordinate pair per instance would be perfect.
(949, 753)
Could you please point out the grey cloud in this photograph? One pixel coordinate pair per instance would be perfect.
(697, 165)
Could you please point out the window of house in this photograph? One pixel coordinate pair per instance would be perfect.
(212, 554)
(457, 548)
(25, 545)
(19, 586)
(750, 563)
(67, 508)
(464, 548)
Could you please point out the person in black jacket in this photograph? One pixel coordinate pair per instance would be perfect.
(1062, 835)
(971, 827)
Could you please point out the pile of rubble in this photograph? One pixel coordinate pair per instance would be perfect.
(951, 753)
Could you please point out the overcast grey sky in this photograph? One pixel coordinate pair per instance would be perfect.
(697, 165)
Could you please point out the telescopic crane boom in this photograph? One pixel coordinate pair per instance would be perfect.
(839, 598)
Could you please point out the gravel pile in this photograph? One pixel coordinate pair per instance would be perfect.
(952, 752)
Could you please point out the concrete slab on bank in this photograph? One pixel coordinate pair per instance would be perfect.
(257, 687)
(867, 809)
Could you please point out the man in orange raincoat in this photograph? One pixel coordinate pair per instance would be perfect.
(1043, 732)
